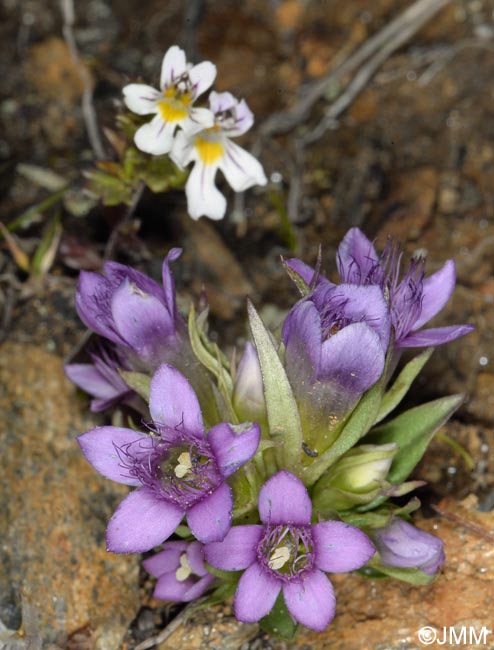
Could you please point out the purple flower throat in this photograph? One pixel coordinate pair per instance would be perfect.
(286, 551)
(182, 472)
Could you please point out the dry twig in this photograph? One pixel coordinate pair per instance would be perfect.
(167, 631)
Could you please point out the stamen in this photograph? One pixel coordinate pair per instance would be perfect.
(184, 570)
(184, 465)
(279, 558)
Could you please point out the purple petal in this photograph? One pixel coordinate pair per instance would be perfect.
(92, 301)
(195, 558)
(141, 522)
(103, 447)
(283, 499)
(87, 377)
(305, 271)
(210, 519)
(302, 338)
(233, 445)
(436, 292)
(118, 273)
(169, 588)
(140, 318)
(311, 601)
(356, 257)
(167, 560)
(237, 551)
(256, 594)
(353, 358)
(173, 402)
(340, 547)
(436, 336)
(168, 283)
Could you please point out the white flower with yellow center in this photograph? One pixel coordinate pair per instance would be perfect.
(181, 84)
(210, 150)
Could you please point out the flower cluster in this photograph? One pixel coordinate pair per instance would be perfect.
(192, 134)
(261, 478)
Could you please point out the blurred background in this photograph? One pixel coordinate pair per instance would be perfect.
(377, 115)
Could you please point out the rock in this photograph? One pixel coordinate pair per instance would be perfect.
(54, 509)
(387, 614)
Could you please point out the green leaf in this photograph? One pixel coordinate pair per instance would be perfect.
(413, 431)
(399, 389)
(223, 592)
(412, 576)
(282, 411)
(279, 622)
(138, 381)
(357, 425)
(225, 576)
(44, 255)
(297, 279)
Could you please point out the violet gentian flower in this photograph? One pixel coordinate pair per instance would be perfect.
(401, 544)
(181, 84)
(181, 572)
(211, 150)
(336, 340)
(132, 310)
(288, 554)
(102, 380)
(177, 470)
(413, 299)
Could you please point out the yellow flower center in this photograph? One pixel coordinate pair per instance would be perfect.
(210, 151)
(175, 104)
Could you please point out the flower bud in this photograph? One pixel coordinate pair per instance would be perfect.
(248, 393)
(401, 544)
(357, 478)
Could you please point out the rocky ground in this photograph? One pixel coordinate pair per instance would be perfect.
(411, 156)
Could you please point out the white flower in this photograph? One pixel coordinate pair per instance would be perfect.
(211, 150)
(181, 84)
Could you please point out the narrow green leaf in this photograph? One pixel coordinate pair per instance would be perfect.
(297, 279)
(412, 576)
(283, 415)
(32, 214)
(44, 256)
(412, 431)
(138, 381)
(399, 389)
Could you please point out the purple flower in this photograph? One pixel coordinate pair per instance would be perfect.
(402, 545)
(102, 380)
(413, 299)
(288, 554)
(336, 340)
(177, 470)
(132, 310)
(179, 567)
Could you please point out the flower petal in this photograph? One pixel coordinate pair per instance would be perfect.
(141, 522)
(141, 99)
(283, 499)
(237, 551)
(169, 588)
(203, 197)
(436, 292)
(311, 601)
(240, 168)
(356, 257)
(168, 283)
(173, 66)
(256, 594)
(102, 447)
(306, 272)
(167, 560)
(233, 446)
(202, 77)
(142, 320)
(435, 336)
(173, 402)
(92, 301)
(210, 519)
(197, 120)
(353, 358)
(340, 547)
(155, 137)
(87, 377)
(195, 558)
(302, 338)
(182, 152)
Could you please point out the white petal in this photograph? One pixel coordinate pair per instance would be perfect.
(174, 64)
(156, 137)
(141, 99)
(203, 197)
(182, 152)
(219, 102)
(240, 168)
(198, 120)
(244, 119)
(202, 77)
